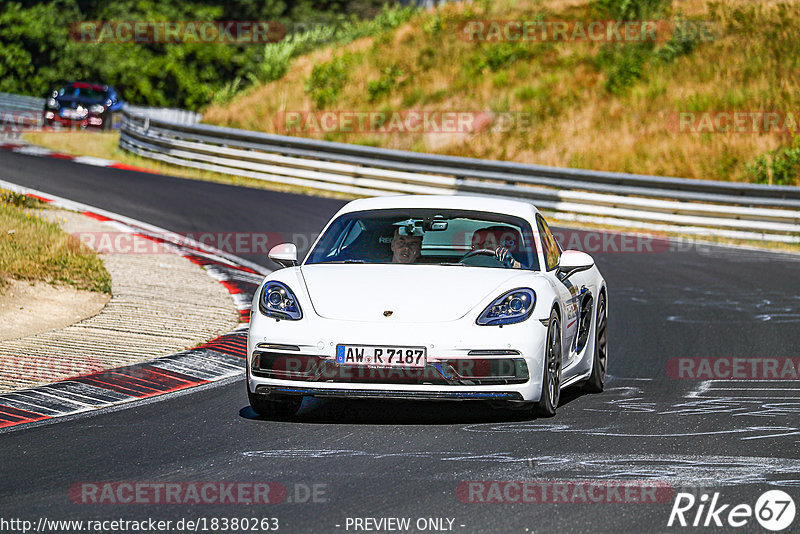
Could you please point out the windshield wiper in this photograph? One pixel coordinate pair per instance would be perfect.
(354, 261)
(453, 264)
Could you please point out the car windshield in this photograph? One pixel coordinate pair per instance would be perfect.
(72, 91)
(426, 236)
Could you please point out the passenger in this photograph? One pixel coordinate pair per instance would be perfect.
(405, 248)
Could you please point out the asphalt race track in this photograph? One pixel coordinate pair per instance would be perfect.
(341, 460)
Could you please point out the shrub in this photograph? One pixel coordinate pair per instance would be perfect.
(629, 9)
(525, 93)
(413, 97)
(384, 84)
(780, 166)
(227, 91)
(433, 25)
(684, 40)
(496, 56)
(623, 65)
(327, 79)
(274, 61)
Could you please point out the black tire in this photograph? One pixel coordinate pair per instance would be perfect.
(597, 380)
(551, 373)
(107, 122)
(275, 406)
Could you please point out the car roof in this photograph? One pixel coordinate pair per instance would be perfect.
(517, 208)
(90, 85)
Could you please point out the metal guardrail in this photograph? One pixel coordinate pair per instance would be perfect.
(180, 116)
(10, 102)
(745, 211)
(19, 112)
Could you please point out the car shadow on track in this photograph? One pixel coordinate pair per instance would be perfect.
(387, 412)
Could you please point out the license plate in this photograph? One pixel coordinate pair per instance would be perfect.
(71, 114)
(381, 355)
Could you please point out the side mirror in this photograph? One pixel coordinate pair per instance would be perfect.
(573, 261)
(284, 254)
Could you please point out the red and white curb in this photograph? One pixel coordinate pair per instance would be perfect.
(33, 150)
(218, 359)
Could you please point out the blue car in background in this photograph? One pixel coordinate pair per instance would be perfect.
(82, 105)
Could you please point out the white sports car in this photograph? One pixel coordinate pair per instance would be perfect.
(428, 297)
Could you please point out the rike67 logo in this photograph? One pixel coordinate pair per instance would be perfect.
(774, 510)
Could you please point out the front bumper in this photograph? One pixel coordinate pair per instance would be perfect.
(89, 121)
(391, 393)
(315, 339)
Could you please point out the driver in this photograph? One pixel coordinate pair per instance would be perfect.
(499, 239)
(405, 248)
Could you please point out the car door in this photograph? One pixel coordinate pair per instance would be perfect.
(569, 293)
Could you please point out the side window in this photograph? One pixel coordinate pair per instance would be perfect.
(551, 249)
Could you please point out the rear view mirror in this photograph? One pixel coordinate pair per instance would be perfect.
(435, 226)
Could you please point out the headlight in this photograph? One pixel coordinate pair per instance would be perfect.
(512, 307)
(97, 108)
(52, 103)
(278, 301)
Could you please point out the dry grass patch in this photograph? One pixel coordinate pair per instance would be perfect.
(35, 249)
(592, 105)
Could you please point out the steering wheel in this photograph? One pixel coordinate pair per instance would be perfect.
(478, 252)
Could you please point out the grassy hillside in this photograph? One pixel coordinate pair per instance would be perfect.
(609, 106)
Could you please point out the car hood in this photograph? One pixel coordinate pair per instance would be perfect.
(412, 293)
